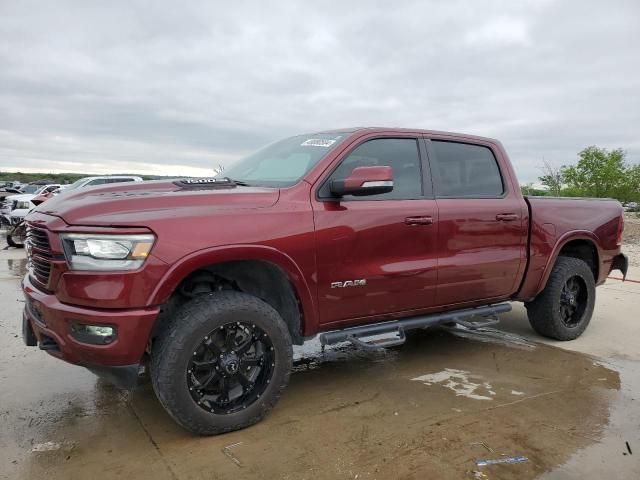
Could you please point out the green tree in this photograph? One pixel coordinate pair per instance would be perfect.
(599, 173)
(552, 178)
(629, 190)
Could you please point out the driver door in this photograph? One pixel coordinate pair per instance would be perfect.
(377, 255)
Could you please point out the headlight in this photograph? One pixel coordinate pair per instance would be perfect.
(106, 252)
(23, 205)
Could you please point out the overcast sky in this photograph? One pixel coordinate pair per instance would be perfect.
(179, 87)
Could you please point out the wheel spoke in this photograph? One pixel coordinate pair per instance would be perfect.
(230, 338)
(205, 364)
(244, 381)
(251, 361)
(574, 286)
(212, 347)
(244, 347)
(224, 389)
(207, 382)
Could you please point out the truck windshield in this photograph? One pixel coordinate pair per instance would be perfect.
(284, 163)
(77, 184)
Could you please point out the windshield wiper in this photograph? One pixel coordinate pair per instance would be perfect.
(238, 182)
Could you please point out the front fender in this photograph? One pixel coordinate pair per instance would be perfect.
(227, 253)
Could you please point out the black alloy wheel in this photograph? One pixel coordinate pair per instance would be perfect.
(573, 301)
(231, 368)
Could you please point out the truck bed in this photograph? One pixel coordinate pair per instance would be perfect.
(556, 221)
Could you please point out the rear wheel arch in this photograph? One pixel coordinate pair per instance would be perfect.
(585, 250)
(583, 246)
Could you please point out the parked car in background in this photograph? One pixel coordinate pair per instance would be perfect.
(105, 180)
(630, 206)
(12, 185)
(15, 207)
(17, 231)
(29, 188)
(8, 190)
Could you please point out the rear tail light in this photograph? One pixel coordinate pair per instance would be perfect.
(620, 230)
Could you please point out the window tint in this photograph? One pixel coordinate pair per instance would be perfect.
(463, 170)
(401, 154)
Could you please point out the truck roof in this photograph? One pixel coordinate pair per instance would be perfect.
(409, 130)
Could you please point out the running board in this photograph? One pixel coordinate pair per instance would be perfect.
(355, 335)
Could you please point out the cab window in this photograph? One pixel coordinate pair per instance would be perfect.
(462, 170)
(401, 154)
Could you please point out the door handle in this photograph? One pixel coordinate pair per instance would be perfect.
(506, 217)
(427, 220)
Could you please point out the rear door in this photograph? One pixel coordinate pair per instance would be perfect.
(377, 254)
(482, 230)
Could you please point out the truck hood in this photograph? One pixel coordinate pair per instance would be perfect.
(142, 203)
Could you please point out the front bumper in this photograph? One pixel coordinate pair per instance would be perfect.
(50, 321)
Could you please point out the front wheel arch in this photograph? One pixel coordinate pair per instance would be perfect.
(262, 279)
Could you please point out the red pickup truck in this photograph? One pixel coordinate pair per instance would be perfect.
(352, 234)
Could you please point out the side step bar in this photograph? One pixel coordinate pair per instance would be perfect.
(461, 317)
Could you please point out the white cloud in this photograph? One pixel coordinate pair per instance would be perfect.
(500, 31)
(154, 86)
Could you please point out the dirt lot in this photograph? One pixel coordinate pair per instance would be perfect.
(430, 409)
(631, 237)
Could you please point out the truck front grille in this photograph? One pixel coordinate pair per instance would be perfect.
(39, 254)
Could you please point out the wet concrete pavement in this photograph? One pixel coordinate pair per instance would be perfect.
(429, 409)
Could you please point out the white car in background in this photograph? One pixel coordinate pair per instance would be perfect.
(94, 181)
(15, 207)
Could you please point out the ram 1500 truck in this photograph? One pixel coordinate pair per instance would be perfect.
(349, 234)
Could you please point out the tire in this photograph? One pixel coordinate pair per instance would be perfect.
(17, 232)
(559, 312)
(11, 243)
(190, 352)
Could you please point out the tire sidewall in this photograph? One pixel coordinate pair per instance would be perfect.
(12, 243)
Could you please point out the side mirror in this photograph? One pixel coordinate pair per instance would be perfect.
(364, 181)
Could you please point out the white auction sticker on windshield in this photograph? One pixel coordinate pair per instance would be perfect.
(318, 142)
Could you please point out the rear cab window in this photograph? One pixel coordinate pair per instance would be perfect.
(463, 170)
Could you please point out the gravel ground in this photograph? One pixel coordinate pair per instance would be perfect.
(631, 238)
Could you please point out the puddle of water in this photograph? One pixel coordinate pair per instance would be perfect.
(492, 335)
(458, 381)
(16, 267)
